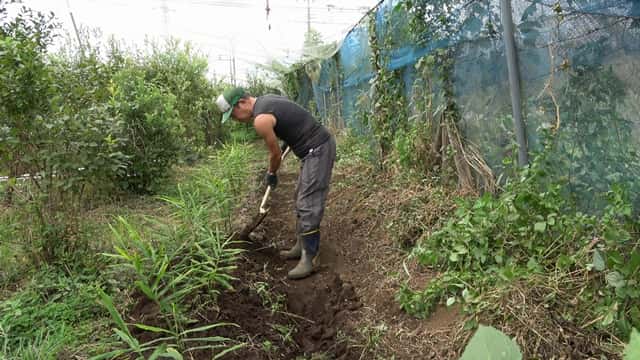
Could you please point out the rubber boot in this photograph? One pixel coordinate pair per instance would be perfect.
(293, 253)
(308, 258)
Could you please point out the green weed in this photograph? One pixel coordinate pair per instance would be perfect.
(170, 341)
(53, 311)
(372, 338)
(286, 333)
(271, 300)
(172, 261)
(532, 232)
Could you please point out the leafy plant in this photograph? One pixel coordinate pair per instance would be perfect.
(491, 344)
(151, 128)
(53, 311)
(184, 263)
(64, 152)
(166, 346)
(632, 351)
(180, 70)
(528, 232)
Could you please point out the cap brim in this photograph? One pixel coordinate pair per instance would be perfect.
(226, 115)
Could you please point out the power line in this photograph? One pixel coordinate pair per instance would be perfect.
(272, 7)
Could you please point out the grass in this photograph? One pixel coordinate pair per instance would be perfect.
(52, 312)
(49, 312)
(510, 258)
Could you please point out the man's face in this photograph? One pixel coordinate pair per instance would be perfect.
(242, 111)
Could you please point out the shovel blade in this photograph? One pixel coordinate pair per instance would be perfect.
(257, 220)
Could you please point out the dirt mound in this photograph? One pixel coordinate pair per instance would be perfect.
(276, 315)
(327, 303)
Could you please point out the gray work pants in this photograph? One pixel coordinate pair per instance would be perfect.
(313, 186)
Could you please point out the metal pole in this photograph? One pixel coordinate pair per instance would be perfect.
(75, 28)
(514, 82)
(308, 16)
(235, 79)
(73, 21)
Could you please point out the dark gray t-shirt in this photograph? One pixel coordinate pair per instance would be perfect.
(294, 124)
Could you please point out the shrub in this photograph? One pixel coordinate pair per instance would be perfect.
(151, 129)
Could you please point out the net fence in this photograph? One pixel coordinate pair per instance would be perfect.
(579, 67)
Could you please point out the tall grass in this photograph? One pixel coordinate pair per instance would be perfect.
(174, 260)
(51, 312)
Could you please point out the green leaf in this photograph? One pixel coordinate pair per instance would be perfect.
(207, 327)
(107, 302)
(460, 249)
(610, 315)
(540, 227)
(130, 340)
(153, 329)
(598, 261)
(615, 279)
(158, 352)
(491, 344)
(632, 350)
(633, 264)
(174, 354)
(226, 351)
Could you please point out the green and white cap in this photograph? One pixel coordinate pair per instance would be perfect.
(227, 100)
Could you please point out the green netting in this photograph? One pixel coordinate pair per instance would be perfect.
(579, 62)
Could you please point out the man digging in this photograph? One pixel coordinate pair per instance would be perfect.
(275, 117)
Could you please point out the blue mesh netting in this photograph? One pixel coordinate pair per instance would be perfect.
(581, 57)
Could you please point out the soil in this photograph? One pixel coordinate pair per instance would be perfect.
(347, 308)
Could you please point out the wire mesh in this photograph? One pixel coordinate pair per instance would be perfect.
(579, 64)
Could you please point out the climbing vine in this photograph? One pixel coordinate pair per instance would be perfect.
(389, 105)
(429, 140)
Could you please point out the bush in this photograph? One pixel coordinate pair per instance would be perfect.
(532, 233)
(64, 148)
(151, 127)
(181, 71)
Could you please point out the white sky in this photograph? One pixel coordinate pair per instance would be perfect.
(219, 28)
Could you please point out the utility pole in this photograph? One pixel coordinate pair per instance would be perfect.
(232, 64)
(308, 16)
(268, 9)
(165, 17)
(233, 61)
(75, 28)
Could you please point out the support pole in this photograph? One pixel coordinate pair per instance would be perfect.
(514, 82)
(75, 28)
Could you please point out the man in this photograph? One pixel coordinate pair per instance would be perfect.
(275, 117)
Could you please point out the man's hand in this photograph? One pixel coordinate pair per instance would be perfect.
(271, 179)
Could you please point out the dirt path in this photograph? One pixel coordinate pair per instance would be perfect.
(347, 309)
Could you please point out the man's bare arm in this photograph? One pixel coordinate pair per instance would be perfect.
(264, 124)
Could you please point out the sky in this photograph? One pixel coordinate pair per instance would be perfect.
(220, 29)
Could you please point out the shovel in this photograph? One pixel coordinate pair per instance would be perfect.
(244, 234)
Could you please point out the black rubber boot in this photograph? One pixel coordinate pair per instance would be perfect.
(308, 258)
